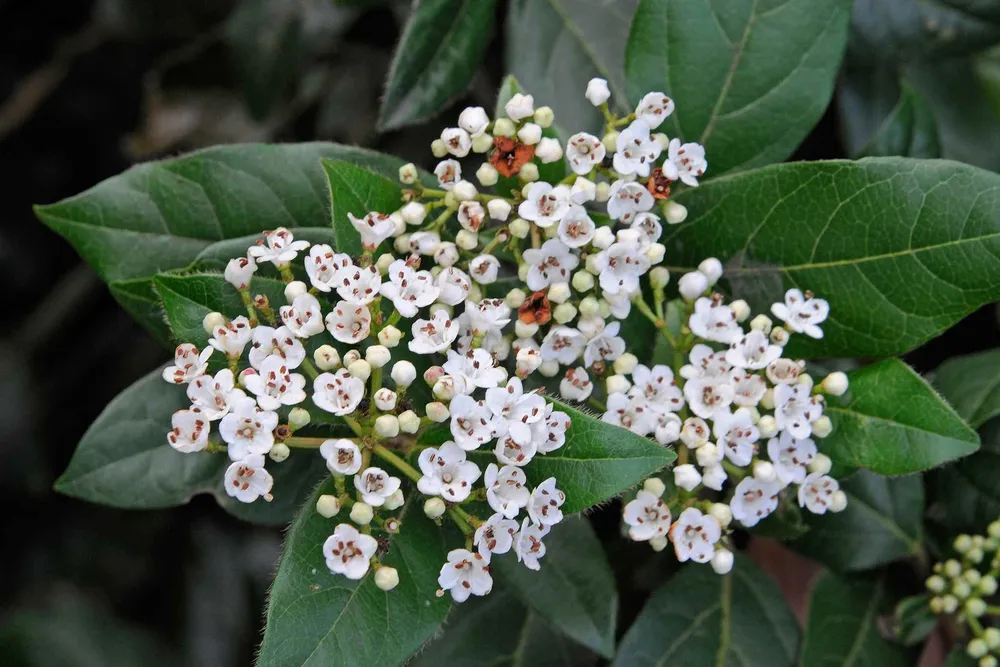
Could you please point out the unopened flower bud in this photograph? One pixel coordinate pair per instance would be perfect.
(447, 387)
(549, 368)
(583, 191)
(741, 309)
(626, 363)
(464, 191)
(597, 91)
(987, 586)
(936, 584)
(549, 150)
(603, 192)
(530, 133)
(835, 384)
(820, 464)
(655, 486)
(952, 568)
(763, 471)
(327, 506)
(350, 357)
(528, 173)
(687, 477)
(434, 508)
(992, 637)
(655, 252)
(779, 337)
(362, 514)
(409, 422)
(610, 141)
(767, 400)
(408, 174)
(326, 358)
(279, 452)
(658, 543)
(589, 307)
(761, 323)
(519, 228)
(977, 648)
(387, 426)
(692, 285)
(659, 277)
(385, 399)
(438, 148)
(544, 116)
(617, 384)
(389, 337)
(525, 329)
(402, 244)
(377, 356)
(298, 417)
(360, 369)
(437, 411)
(822, 427)
(487, 175)
(386, 578)
(721, 513)
(663, 140)
(559, 292)
(722, 561)
(708, 455)
(504, 127)
(712, 268)
(383, 262)
(212, 321)
(482, 143)
(603, 238)
(675, 213)
(583, 281)
(466, 240)
(499, 209)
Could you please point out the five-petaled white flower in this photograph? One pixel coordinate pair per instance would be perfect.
(753, 351)
(240, 271)
(714, 321)
(409, 290)
(576, 384)
(604, 345)
(454, 285)
(465, 574)
(563, 344)
(544, 204)
(189, 431)
(816, 492)
(342, 456)
(279, 342)
(506, 489)
(705, 363)
(687, 161)
(626, 199)
(657, 386)
(322, 266)
(647, 516)
(476, 367)
(549, 434)
(631, 413)
(649, 228)
(375, 485)
(528, 544)
(349, 552)
(188, 364)
(708, 397)
(214, 396)
(544, 504)
(472, 422)
(791, 457)
(653, 109)
(694, 536)
(304, 317)
(278, 247)
(230, 338)
(621, 265)
(518, 409)
(275, 385)
(495, 536)
(795, 410)
(748, 389)
(576, 229)
(246, 480)
(635, 150)
(247, 429)
(584, 152)
(373, 228)
(552, 263)
(448, 173)
(435, 334)
(510, 452)
(447, 473)
(338, 392)
(487, 316)
(803, 313)
(349, 322)
(753, 500)
(737, 435)
(357, 284)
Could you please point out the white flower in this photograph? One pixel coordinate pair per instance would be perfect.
(471, 215)
(658, 387)
(708, 397)
(338, 392)
(630, 413)
(784, 371)
(375, 486)
(278, 247)
(620, 267)
(625, 199)
(349, 322)
(358, 285)
(232, 337)
(342, 456)
(635, 150)
(576, 384)
(694, 536)
(552, 263)
(506, 489)
(275, 385)
(653, 109)
(549, 434)
(188, 364)
(448, 173)
(695, 433)
(544, 205)
(214, 396)
(465, 574)
(544, 504)
(489, 315)
(510, 452)
(304, 317)
(476, 367)
(688, 160)
(472, 422)
(649, 228)
(576, 229)
(495, 536)
(753, 500)
(446, 473)
(189, 431)
(239, 272)
(802, 313)
(373, 228)
(668, 428)
(247, 429)
(457, 141)
(584, 152)
(583, 191)
(528, 546)
(424, 243)
(605, 345)
(753, 351)
(791, 457)
(714, 477)
(454, 286)
(686, 476)
(736, 434)
(816, 493)
(246, 480)
(748, 389)
(322, 266)
(597, 91)
(520, 106)
(795, 410)
(647, 517)
(705, 363)
(433, 335)
(484, 269)
(714, 321)
(409, 290)
(279, 342)
(348, 552)
(518, 409)
(473, 120)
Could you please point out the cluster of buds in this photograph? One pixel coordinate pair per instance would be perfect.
(959, 588)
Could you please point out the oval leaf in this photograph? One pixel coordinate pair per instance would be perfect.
(750, 78)
(359, 191)
(968, 492)
(700, 618)
(910, 130)
(894, 423)
(914, 241)
(972, 384)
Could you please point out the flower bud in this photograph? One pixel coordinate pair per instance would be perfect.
(408, 174)
(721, 513)
(399, 225)
(212, 321)
(712, 268)
(767, 426)
(487, 175)
(504, 127)
(583, 190)
(530, 133)
(387, 426)
(326, 358)
(438, 148)
(626, 363)
(432, 375)
(466, 240)
(610, 141)
(687, 477)
(402, 244)
(588, 307)
(377, 356)
(658, 543)
(279, 452)
(437, 411)
(528, 173)
(603, 238)
(988, 661)
(525, 329)
(659, 277)
(820, 464)
(936, 584)
(987, 586)
(972, 576)
(952, 568)
(434, 508)
(360, 369)
(386, 578)
(675, 213)
(779, 336)
(663, 140)
(362, 514)
(617, 384)
(655, 252)
(722, 561)
(708, 455)
(350, 357)
(741, 309)
(464, 191)
(385, 399)
(447, 387)
(403, 374)
(528, 361)
(692, 285)
(559, 292)
(298, 417)
(389, 337)
(992, 637)
(977, 648)
(655, 486)
(409, 422)
(822, 427)
(761, 323)
(544, 116)
(597, 91)
(603, 192)
(835, 384)
(482, 144)
(838, 502)
(763, 471)
(583, 281)
(413, 213)
(519, 228)
(327, 506)
(549, 150)
(549, 368)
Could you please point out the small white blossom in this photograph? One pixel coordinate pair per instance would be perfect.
(465, 574)
(457, 141)
(517, 408)
(631, 413)
(549, 434)
(784, 371)
(433, 335)
(495, 536)
(583, 191)
(715, 322)
(246, 480)
(647, 516)
(626, 199)
(520, 106)
(342, 456)
(668, 428)
(528, 545)
(791, 457)
(375, 486)
(409, 290)
(576, 385)
(214, 396)
(473, 120)
(471, 215)
(795, 409)
(816, 493)
(544, 204)
(688, 160)
(695, 433)
(373, 228)
(278, 247)
(349, 552)
(240, 271)
(753, 500)
(510, 452)
(188, 364)
(694, 536)
(597, 91)
(705, 363)
(424, 243)
(576, 229)
(635, 150)
(584, 152)
(653, 109)
(304, 317)
(476, 367)
(737, 435)
(447, 473)
(649, 228)
(552, 263)
(448, 173)
(349, 322)
(247, 429)
(802, 313)
(486, 316)
(658, 387)
(358, 285)
(563, 344)
(232, 337)
(280, 342)
(605, 345)
(189, 431)
(506, 489)
(472, 422)
(338, 393)
(322, 266)
(621, 265)
(708, 397)
(752, 351)
(454, 285)
(748, 388)
(484, 269)
(544, 504)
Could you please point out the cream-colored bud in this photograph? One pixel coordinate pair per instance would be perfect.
(385, 399)
(360, 369)
(482, 144)
(515, 298)
(294, 289)
(519, 228)
(377, 356)
(767, 426)
(466, 240)
(675, 213)
(549, 368)
(721, 513)
(741, 309)
(610, 141)
(434, 508)
(403, 373)
(528, 173)
(583, 281)
(298, 417)
(602, 192)
(544, 116)
(658, 543)
(386, 578)
(212, 321)
(530, 134)
(383, 262)
(626, 363)
(617, 384)
(504, 127)
(835, 384)
(279, 452)
(437, 411)
(525, 329)
(464, 191)
(499, 209)
(821, 464)
(659, 277)
(390, 336)
(326, 358)
(559, 292)
(387, 426)
(655, 486)
(409, 422)
(487, 174)
(822, 427)
(408, 174)
(327, 506)
(589, 306)
(564, 313)
(761, 323)
(362, 514)
(438, 148)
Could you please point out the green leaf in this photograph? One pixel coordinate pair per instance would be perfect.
(842, 629)
(972, 384)
(554, 47)
(598, 461)
(358, 191)
(917, 242)
(317, 618)
(124, 461)
(967, 493)
(892, 422)
(499, 631)
(441, 48)
(663, 352)
(750, 78)
(913, 619)
(700, 618)
(574, 590)
(910, 130)
(959, 658)
(883, 521)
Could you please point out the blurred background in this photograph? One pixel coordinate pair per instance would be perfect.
(87, 89)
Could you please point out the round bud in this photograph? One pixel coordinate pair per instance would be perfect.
(659, 277)
(327, 506)
(603, 309)
(987, 585)
(658, 543)
(602, 192)
(589, 306)
(975, 555)
(395, 501)
(482, 144)
(413, 213)
(692, 285)
(432, 375)
(504, 127)
(988, 661)
(499, 209)
(994, 529)
(212, 321)
(544, 116)
(362, 514)
(402, 244)
(820, 464)
(949, 604)
(935, 605)
(822, 427)
(610, 141)
(279, 452)
(626, 363)
(434, 507)
(655, 486)
(525, 329)
(487, 175)
(385, 399)
(464, 191)
(603, 238)
(721, 513)
(655, 252)
(437, 411)
(674, 213)
(617, 384)
(350, 357)
(559, 292)
(687, 477)
(741, 309)
(805, 380)
(549, 368)
(767, 400)
(298, 417)
(767, 426)
(838, 503)
(326, 358)
(530, 133)
(409, 422)
(377, 356)
(528, 173)
(389, 337)
(583, 281)
(763, 471)
(712, 268)
(780, 337)
(403, 373)
(597, 91)
(952, 568)
(972, 576)
(408, 174)
(722, 561)
(663, 140)
(549, 150)
(977, 648)
(761, 323)
(466, 240)
(519, 228)
(708, 454)
(399, 225)
(386, 578)
(992, 637)
(438, 148)
(360, 369)
(835, 384)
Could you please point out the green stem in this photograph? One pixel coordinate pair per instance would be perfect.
(286, 274)
(388, 455)
(310, 370)
(303, 442)
(355, 426)
(596, 404)
(248, 302)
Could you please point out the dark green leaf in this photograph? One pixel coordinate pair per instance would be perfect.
(893, 423)
(664, 352)
(972, 385)
(139, 299)
(882, 235)
(959, 658)
(784, 524)
(883, 521)
(359, 191)
(554, 47)
(842, 630)
(968, 492)
(574, 590)
(909, 131)
(318, 618)
(750, 78)
(914, 619)
(700, 618)
(440, 49)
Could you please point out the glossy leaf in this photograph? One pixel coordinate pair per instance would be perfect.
(959, 658)
(750, 78)
(913, 619)
(910, 130)
(968, 493)
(883, 521)
(554, 47)
(972, 385)
(700, 618)
(574, 590)
(317, 618)
(842, 628)
(358, 191)
(881, 235)
(892, 422)
(440, 50)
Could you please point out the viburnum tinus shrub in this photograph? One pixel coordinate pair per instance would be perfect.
(430, 372)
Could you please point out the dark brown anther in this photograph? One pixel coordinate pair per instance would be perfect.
(282, 432)
(535, 309)
(509, 155)
(658, 184)
(413, 261)
(261, 301)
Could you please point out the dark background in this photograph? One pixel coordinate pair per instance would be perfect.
(87, 89)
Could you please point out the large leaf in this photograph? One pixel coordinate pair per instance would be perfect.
(968, 493)
(892, 422)
(842, 628)
(498, 630)
(124, 460)
(972, 385)
(910, 130)
(700, 618)
(554, 47)
(883, 521)
(441, 48)
(359, 191)
(750, 78)
(902, 249)
(574, 590)
(317, 618)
